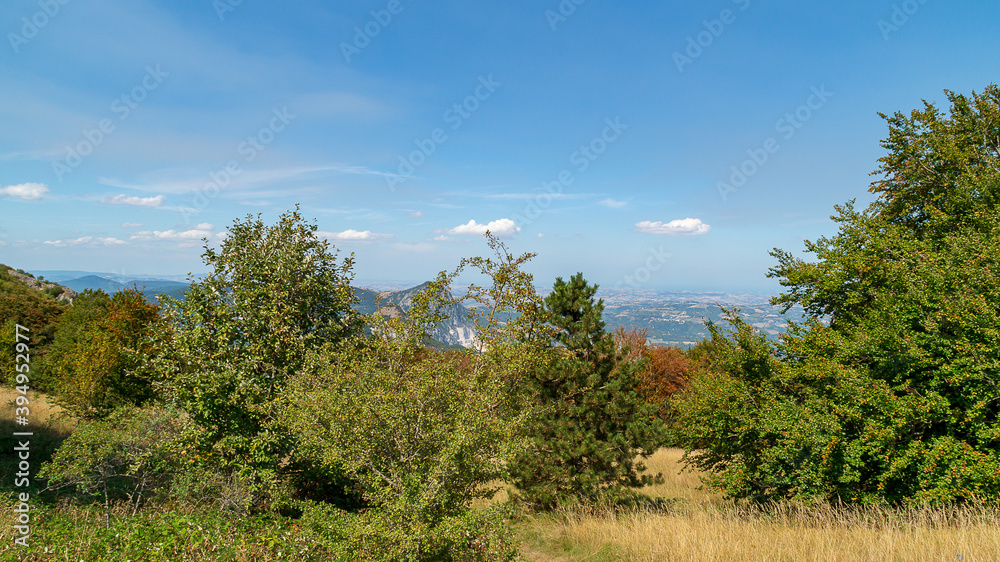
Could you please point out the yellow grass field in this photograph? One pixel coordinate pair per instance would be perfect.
(703, 527)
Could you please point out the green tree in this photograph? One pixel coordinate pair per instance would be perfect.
(889, 393)
(425, 433)
(593, 421)
(22, 305)
(272, 294)
(100, 352)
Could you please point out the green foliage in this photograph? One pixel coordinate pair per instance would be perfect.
(894, 398)
(22, 305)
(100, 353)
(593, 422)
(273, 294)
(164, 535)
(424, 433)
(128, 456)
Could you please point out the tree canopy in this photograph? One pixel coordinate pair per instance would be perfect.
(889, 391)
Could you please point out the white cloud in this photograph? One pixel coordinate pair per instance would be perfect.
(85, 241)
(612, 203)
(679, 227)
(415, 214)
(351, 235)
(500, 227)
(135, 201)
(442, 238)
(203, 230)
(26, 191)
(131, 224)
(256, 203)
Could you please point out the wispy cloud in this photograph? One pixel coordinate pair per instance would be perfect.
(529, 195)
(30, 155)
(85, 241)
(612, 203)
(351, 235)
(418, 247)
(336, 104)
(246, 180)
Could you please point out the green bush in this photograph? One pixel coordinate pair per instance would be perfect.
(424, 433)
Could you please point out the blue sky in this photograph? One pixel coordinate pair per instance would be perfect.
(608, 137)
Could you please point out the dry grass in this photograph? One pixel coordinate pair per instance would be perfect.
(43, 412)
(701, 527)
(49, 423)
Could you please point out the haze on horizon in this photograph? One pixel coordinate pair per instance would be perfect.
(647, 145)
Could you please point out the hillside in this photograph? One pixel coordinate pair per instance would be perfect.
(457, 330)
(94, 282)
(33, 304)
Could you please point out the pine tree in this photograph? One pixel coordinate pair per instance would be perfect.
(593, 422)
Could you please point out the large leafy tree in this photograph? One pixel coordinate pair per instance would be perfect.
(272, 294)
(889, 392)
(593, 422)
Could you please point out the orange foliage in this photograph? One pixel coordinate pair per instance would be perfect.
(667, 369)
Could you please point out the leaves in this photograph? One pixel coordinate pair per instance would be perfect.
(888, 393)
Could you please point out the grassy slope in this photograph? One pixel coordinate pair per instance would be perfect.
(701, 526)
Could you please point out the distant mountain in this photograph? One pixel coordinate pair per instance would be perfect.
(457, 330)
(59, 275)
(151, 288)
(93, 282)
